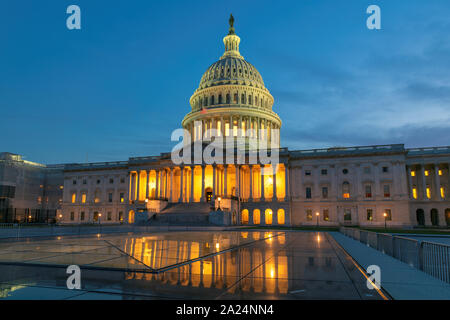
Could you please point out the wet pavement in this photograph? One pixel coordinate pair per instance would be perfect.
(184, 265)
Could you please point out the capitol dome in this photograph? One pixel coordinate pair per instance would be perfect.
(232, 98)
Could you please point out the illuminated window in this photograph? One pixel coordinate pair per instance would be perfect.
(227, 129)
(326, 215)
(235, 128)
(219, 128)
(414, 190)
(122, 197)
(74, 197)
(369, 215)
(268, 216)
(83, 198)
(346, 190)
(440, 172)
(281, 216)
(309, 215)
(428, 192)
(244, 216)
(413, 173)
(426, 173)
(121, 216)
(256, 216)
(442, 192)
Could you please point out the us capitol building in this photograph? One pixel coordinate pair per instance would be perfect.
(365, 185)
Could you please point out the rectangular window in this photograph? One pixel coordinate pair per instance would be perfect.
(428, 192)
(326, 215)
(74, 197)
(325, 192)
(387, 191)
(121, 216)
(426, 173)
(83, 198)
(109, 216)
(442, 192)
(324, 172)
(219, 128)
(84, 181)
(74, 181)
(366, 170)
(385, 169)
(110, 197)
(122, 197)
(227, 129)
(388, 214)
(347, 215)
(413, 173)
(72, 216)
(308, 193)
(414, 190)
(82, 216)
(369, 215)
(440, 172)
(309, 215)
(368, 189)
(307, 172)
(111, 181)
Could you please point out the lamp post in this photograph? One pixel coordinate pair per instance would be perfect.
(317, 215)
(218, 199)
(385, 218)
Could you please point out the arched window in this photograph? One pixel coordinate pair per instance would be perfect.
(434, 217)
(201, 102)
(256, 216)
(281, 216)
(244, 216)
(212, 100)
(346, 190)
(250, 100)
(420, 217)
(220, 99)
(268, 216)
(243, 98)
(206, 101)
(228, 98)
(236, 98)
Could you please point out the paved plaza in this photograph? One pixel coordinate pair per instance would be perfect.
(184, 265)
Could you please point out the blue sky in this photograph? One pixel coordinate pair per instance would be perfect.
(120, 85)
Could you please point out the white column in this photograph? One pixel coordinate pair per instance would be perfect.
(424, 183)
(286, 178)
(146, 185)
(410, 186)
(262, 182)
(250, 198)
(437, 181)
(202, 199)
(214, 184)
(274, 178)
(237, 180)
(157, 184)
(192, 184)
(225, 189)
(180, 199)
(138, 184)
(171, 185)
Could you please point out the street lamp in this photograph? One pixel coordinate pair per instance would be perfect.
(218, 199)
(99, 217)
(385, 218)
(317, 215)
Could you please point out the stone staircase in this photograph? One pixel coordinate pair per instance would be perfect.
(183, 214)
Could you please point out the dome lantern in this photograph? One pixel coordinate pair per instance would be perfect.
(231, 42)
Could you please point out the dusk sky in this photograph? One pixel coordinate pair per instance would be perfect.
(118, 87)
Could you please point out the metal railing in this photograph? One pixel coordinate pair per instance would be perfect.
(429, 257)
